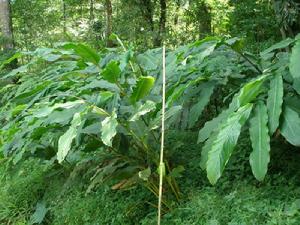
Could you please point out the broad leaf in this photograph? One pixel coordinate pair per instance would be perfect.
(65, 141)
(260, 139)
(148, 60)
(39, 214)
(213, 124)
(94, 128)
(247, 94)
(250, 91)
(177, 93)
(224, 142)
(169, 113)
(204, 97)
(145, 174)
(205, 150)
(85, 52)
(46, 111)
(142, 88)
(99, 111)
(112, 72)
(142, 110)
(293, 102)
(295, 66)
(108, 131)
(290, 127)
(274, 102)
(11, 59)
(235, 43)
(283, 44)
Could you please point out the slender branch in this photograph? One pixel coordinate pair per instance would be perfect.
(249, 61)
(246, 58)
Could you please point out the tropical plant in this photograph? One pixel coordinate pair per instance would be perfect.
(79, 108)
(270, 101)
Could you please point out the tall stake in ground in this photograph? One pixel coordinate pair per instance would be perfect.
(161, 164)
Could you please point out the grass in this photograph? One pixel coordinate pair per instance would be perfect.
(238, 199)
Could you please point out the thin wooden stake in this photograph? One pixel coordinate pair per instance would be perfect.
(161, 163)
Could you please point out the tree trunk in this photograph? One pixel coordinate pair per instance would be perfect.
(109, 18)
(64, 17)
(146, 7)
(163, 17)
(287, 29)
(91, 10)
(204, 20)
(162, 23)
(6, 24)
(176, 18)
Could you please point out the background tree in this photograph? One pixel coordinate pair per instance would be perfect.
(109, 21)
(287, 14)
(6, 24)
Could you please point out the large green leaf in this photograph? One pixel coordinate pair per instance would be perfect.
(274, 102)
(290, 127)
(154, 124)
(293, 102)
(283, 44)
(247, 94)
(205, 150)
(11, 59)
(260, 139)
(148, 60)
(39, 214)
(47, 110)
(235, 43)
(30, 92)
(295, 66)
(142, 110)
(212, 125)
(142, 88)
(65, 141)
(176, 91)
(224, 142)
(176, 94)
(204, 97)
(85, 52)
(108, 131)
(112, 72)
(250, 91)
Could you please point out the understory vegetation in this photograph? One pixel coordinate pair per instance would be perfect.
(237, 199)
(81, 112)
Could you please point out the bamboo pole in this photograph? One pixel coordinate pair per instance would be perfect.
(161, 164)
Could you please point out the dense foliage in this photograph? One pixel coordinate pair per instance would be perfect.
(81, 110)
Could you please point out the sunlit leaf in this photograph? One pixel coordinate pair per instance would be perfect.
(224, 142)
(65, 141)
(145, 174)
(295, 65)
(39, 214)
(142, 110)
(290, 127)
(250, 91)
(46, 111)
(85, 52)
(142, 88)
(204, 97)
(112, 72)
(274, 102)
(109, 125)
(260, 139)
(280, 45)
